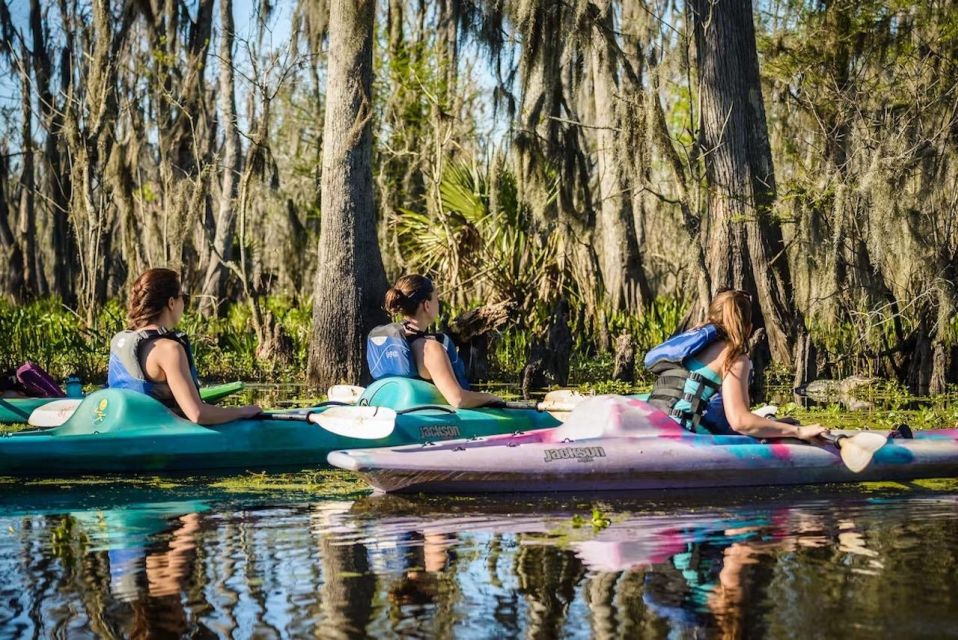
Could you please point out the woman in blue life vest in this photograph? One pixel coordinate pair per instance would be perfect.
(703, 376)
(405, 349)
(151, 358)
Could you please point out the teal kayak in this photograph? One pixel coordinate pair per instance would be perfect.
(18, 410)
(120, 431)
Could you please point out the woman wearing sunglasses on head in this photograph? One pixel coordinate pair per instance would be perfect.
(703, 376)
(153, 359)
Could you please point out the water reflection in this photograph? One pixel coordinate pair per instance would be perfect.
(197, 563)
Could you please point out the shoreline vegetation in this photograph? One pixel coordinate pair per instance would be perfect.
(65, 342)
(62, 342)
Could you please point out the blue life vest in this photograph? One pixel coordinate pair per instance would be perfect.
(389, 353)
(125, 370)
(668, 362)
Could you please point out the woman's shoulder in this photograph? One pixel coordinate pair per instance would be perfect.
(429, 344)
(166, 347)
(741, 364)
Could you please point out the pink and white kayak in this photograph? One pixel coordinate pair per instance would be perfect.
(615, 443)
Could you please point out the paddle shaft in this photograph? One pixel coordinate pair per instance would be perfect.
(15, 409)
(519, 405)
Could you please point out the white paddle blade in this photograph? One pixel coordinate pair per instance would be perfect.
(858, 450)
(767, 411)
(561, 400)
(53, 414)
(363, 423)
(347, 393)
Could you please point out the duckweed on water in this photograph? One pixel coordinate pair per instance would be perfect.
(324, 482)
(941, 414)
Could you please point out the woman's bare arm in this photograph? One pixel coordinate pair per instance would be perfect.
(436, 367)
(735, 399)
(171, 358)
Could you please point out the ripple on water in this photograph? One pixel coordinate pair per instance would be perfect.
(290, 564)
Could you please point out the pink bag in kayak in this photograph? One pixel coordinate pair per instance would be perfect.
(38, 382)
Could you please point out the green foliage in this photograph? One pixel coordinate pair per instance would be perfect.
(851, 342)
(598, 520)
(56, 338)
(60, 341)
(651, 327)
(477, 243)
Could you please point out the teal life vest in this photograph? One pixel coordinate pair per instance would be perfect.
(125, 369)
(685, 388)
(389, 352)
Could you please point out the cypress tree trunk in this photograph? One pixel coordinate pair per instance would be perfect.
(350, 281)
(744, 246)
(58, 186)
(215, 280)
(618, 250)
(26, 225)
(11, 279)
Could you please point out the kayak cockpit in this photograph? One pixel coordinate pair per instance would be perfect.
(114, 411)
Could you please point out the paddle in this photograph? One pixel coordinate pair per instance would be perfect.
(346, 393)
(361, 423)
(53, 414)
(561, 400)
(858, 450)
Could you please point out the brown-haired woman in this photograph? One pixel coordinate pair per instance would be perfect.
(703, 375)
(151, 358)
(405, 349)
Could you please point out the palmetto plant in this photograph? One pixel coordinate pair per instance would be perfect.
(478, 245)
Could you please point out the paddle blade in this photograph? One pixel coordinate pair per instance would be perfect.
(767, 411)
(53, 414)
(347, 393)
(362, 423)
(858, 450)
(561, 400)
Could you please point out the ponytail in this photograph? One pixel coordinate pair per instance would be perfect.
(731, 313)
(407, 294)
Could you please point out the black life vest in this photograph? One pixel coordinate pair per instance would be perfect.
(706, 412)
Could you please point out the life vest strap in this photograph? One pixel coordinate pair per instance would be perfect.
(670, 388)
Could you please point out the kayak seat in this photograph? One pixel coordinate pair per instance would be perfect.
(401, 393)
(120, 410)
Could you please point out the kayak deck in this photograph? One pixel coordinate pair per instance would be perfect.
(633, 446)
(118, 431)
(18, 410)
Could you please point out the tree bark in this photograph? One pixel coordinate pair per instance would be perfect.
(551, 165)
(745, 248)
(26, 225)
(350, 280)
(618, 250)
(88, 126)
(58, 180)
(12, 281)
(222, 249)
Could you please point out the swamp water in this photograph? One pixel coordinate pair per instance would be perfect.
(316, 556)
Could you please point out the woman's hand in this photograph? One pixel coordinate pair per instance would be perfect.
(250, 411)
(492, 400)
(810, 432)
